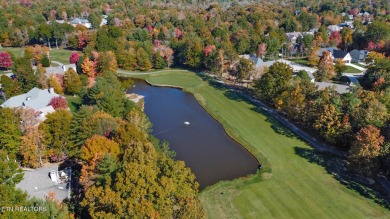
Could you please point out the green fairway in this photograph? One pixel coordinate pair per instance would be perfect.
(299, 186)
(60, 55)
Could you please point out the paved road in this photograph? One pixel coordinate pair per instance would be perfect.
(58, 63)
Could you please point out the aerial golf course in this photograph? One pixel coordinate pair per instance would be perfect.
(295, 181)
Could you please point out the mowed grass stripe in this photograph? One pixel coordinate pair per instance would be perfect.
(297, 188)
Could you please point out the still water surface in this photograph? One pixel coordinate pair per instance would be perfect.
(202, 144)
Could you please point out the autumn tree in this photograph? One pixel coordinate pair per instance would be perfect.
(274, 81)
(58, 103)
(148, 184)
(313, 57)
(347, 39)
(32, 148)
(10, 132)
(292, 101)
(28, 118)
(74, 58)
(106, 62)
(10, 87)
(72, 82)
(55, 84)
(335, 38)
(127, 59)
(244, 68)
(365, 149)
(340, 67)
(261, 50)
(325, 67)
(5, 60)
(56, 129)
(88, 68)
(92, 152)
(143, 60)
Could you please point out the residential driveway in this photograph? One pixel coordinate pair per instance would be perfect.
(37, 183)
(298, 67)
(58, 63)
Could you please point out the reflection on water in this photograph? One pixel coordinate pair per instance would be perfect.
(194, 135)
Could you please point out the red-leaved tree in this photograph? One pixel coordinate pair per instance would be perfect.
(208, 49)
(5, 60)
(58, 103)
(335, 38)
(74, 58)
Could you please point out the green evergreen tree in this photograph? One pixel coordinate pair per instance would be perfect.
(159, 61)
(25, 74)
(45, 61)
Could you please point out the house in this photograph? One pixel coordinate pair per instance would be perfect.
(81, 21)
(346, 24)
(36, 99)
(329, 49)
(60, 69)
(344, 56)
(332, 28)
(104, 20)
(358, 55)
(293, 36)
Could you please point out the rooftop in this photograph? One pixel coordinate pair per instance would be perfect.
(36, 99)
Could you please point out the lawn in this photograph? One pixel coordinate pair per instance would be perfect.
(60, 55)
(74, 102)
(301, 61)
(351, 69)
(360, 65)
(299, 186)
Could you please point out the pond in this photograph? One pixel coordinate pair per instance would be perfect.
(198, 139)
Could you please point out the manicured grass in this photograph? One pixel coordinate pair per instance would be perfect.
(360, 65)
(74, 102)
(299, 186)
(351, 69)
(60, 55)
(302, 61)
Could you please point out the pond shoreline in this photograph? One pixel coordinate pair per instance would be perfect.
(242, 147)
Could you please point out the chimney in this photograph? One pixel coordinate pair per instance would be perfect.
(51, 90)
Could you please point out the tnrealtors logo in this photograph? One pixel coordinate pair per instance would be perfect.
(23, 208)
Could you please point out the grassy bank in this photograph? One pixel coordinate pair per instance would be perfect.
(60, 55)
(300, 185)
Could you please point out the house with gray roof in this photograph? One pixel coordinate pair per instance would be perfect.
(81, 21)
(59, 69)
(359, 55)
(329, 49)
(36, 99)
(343, 55)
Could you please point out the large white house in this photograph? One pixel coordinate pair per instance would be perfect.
(81, 21)
(36, 99)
